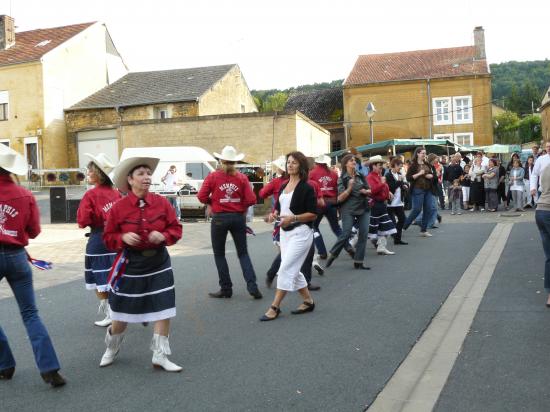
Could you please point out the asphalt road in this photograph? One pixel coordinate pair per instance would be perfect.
(337, 358)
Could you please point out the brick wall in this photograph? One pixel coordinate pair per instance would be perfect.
(403, 111)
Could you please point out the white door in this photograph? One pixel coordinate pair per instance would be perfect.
(95, 142)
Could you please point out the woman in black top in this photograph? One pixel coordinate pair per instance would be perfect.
(296, 209)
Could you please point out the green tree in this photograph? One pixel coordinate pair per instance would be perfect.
(530, 129)
(275, 102)
(505, 127)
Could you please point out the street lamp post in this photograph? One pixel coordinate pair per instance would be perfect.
(370, 110)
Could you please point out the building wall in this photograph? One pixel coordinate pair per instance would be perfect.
(26, 103)
(229, 95)
(74, 70)
(257, 135)
(403, 111)
(545, 119)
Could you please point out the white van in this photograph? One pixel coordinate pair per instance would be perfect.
(192, 163)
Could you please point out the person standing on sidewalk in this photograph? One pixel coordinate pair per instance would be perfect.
(540, 164)
(170, 181)
(19, 221)
(228, 195)
(139, 227)
(295, 210)
(542, 218)
(517, 186)
(490, 178)
(92, 212)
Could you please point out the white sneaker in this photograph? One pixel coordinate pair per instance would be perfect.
(453, 213)
(472, 210)
(161, 348)
(385, 251)
(425, 234)
(459, 213)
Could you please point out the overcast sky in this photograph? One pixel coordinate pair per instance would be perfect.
(286, 43)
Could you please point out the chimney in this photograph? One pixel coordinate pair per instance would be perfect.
(479, 43)
(7, 32)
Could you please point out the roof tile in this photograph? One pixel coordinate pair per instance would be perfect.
(419, 64)
(32, 45)
(321, 106)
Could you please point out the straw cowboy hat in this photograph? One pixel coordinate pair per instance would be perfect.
(323, 159)
(103, 162)
(12, 161)
(122, 170)
(229, 153)
(376, 159)
(280, 163)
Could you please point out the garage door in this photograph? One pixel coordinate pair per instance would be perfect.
(95, 142)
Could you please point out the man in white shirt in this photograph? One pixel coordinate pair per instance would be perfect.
(484, 159)
(540, 165)
(170, 185)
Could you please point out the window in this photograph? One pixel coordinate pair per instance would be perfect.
(196, 171)
(336, 145)
(462, 109)
(464, 139)
(161, 112)
(441, 110)
(4, 102)
(243, 108)
(5, 142)
(448, 136)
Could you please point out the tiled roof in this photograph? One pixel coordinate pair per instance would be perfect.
(321, 106)
(420, 64)
(32, 45)
(165, 86)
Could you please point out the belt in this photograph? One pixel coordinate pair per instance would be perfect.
(7, 246)
(146, 252)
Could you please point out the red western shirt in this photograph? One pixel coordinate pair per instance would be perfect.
(379, 190)
(19, 214)
(273, 188)
(327, 180)
(127, 216)
(227, 193)
(95, 205)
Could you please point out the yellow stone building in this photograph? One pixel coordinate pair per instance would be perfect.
(545, 116)
(209, 107)
(439, 93)
(44, 71)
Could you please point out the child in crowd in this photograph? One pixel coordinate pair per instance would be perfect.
(517, 184)
(465, 183)
(454, 197)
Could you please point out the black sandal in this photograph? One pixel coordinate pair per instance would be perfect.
(266, 318)
(309, 308)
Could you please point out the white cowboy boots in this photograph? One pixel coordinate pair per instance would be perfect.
(113, 343)
(161, 349)
(381, 246)
(159, 345)
(104, 309)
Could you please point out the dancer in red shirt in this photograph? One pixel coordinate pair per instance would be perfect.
(139, 227)
(92, 212)
(228, 195)
(19, 221)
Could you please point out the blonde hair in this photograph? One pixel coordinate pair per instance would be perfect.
(229, 167)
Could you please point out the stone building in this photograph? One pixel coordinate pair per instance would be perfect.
(43, 71)
(326, 108)
(439, 93)
(545, 116)
(207, 107)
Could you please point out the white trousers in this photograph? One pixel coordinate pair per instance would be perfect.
(295, 245)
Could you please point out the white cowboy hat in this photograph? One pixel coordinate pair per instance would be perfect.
(103, 162)
(230, 154)
(280, 162)
(376, 159)
(122, 170)
(12, 161)
(323, 159)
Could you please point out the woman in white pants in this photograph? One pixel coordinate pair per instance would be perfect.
(295, 210)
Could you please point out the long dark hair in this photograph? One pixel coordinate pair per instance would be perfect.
(415, 155)
(345, 161)
(303, 170)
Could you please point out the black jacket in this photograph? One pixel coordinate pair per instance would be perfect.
(392, 183)
(303, 200)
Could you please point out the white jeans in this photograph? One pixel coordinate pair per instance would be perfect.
(295, 245)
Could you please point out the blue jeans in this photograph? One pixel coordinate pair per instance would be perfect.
(348, 222)
(15, 268)
(432, 214)
(421, 200)
(174, 202)
(542, 217)
(234, 223)
(330, 212)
